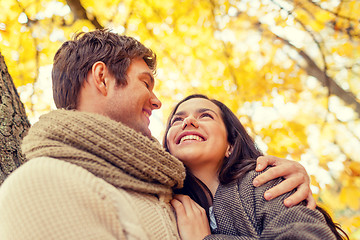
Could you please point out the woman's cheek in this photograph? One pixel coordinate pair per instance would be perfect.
(170, 139)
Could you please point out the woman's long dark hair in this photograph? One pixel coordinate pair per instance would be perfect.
(242, 160)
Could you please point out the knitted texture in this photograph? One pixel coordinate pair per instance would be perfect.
(241, 212)
(106, 148)
(47, 198)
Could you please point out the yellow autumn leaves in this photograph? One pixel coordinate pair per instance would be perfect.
(251, 54)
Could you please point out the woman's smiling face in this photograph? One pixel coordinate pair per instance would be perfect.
(197, 134)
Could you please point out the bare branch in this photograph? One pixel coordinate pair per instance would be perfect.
(226, 52)
(30, 24)
(80, 13)
(313, 70)
(131, 12)
(334, 13)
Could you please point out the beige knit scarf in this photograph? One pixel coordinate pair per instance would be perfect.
(106, 148)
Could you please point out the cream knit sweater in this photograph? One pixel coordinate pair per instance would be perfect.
(86, 207)
(89, 178)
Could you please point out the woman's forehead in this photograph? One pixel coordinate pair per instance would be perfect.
(194, 104)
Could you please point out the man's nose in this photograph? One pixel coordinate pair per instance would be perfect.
(190, 121)
(155, 102)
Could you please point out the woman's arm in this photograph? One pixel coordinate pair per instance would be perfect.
(294, 175)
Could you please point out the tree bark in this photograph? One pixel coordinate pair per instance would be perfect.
(13, 124)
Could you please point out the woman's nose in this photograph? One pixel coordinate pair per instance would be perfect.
(190, 121)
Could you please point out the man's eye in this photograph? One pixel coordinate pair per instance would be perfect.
(146, 84)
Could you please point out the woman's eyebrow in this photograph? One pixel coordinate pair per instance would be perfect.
(200, 110)
(181, 113)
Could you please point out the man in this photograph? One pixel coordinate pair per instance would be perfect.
(95, 171)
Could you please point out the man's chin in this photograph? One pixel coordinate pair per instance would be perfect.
(146, 132)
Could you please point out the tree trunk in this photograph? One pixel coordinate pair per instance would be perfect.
(13, 124)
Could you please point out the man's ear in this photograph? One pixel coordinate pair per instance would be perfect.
(100, 73)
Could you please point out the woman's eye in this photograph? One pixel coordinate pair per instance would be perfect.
(206, 115)
(177, 119)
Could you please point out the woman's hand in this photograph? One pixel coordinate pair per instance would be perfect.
(295, 176)
(191, 218)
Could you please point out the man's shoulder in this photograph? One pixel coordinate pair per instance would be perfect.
(44, 173)
(43, 168)
(44, 181)
(32, 170)
(45, 193)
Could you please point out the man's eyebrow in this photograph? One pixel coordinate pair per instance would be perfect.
(149, 75)
(200, 110)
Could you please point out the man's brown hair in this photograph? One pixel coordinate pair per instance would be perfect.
(76, 57)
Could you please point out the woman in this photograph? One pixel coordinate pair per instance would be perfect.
(220, 158)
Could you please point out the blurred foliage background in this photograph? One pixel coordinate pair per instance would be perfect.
(290, 70)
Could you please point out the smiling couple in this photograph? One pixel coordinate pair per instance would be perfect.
(95, 172)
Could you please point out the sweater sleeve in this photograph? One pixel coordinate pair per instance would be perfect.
(50, 199)
(227, 237)
(276, 221)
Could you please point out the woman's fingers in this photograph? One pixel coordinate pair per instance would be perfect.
(179, 208)
(191, 218)
(187, 204)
